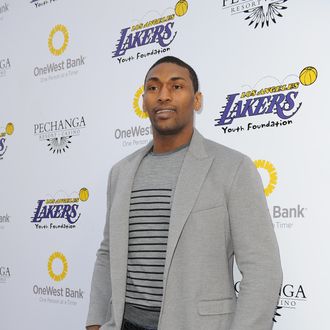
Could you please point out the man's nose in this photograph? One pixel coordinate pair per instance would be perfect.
(164, 94)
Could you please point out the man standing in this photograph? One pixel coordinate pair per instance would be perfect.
(179, 211)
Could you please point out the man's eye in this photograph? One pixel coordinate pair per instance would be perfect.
(177, 86)
(151, 88)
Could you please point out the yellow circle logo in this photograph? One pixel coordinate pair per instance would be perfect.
(62, 29)
(83, 194)
(137, 109)
(269, 167)
(62, 275)
(10, 128)
(181, 8)
(308, 75)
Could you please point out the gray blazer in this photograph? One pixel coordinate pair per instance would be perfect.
(219, 211)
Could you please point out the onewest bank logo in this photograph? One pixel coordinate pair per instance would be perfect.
(60, 213)
(281, 101)
(158, 30)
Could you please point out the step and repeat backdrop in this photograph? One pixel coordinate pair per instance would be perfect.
(71, 85)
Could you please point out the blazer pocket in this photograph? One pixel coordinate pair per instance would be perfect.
(214, 307)
(207, 209)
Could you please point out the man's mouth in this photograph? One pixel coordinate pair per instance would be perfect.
(165, 110)
(164, 113)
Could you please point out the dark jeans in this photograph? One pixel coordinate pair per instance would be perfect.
(130, 326)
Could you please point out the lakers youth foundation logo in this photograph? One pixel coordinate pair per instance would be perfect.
(261, 101)
(272, 175)
(159, 31)
(42, 3)
(4, 133)
(59, 213)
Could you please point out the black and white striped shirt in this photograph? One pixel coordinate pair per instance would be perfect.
(149, 219)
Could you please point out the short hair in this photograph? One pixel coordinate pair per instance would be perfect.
(177, 61)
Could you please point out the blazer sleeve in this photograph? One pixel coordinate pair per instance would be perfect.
(256, 251)
(100, 295)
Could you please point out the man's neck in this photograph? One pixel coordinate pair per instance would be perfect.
(167, 143)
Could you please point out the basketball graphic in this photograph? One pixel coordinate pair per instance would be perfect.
(181, 8)
(83, 194)
(308, 75)
(10, 128)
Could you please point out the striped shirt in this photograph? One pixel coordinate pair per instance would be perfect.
(149, 219)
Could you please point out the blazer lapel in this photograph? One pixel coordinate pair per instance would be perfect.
(118, 236)
(192, 175)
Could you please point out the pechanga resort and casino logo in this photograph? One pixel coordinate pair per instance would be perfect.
(258, 13)
(291, 297)
(158, 32)
(58, 269)
(4, 8)
(5, 66)
(58, 43)
(265, 105)
(59, 213)
(5, 273)
(4, 134)
(58, 134)
(42, 3)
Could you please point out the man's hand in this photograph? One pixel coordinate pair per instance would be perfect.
(93, 327)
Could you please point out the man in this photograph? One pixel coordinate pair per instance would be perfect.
(179, 211)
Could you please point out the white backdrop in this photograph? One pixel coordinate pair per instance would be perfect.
(70, 108)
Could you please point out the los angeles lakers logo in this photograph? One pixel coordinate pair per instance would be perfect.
(159, 31)
(59, 213)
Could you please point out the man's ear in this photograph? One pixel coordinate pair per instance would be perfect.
(198, 98)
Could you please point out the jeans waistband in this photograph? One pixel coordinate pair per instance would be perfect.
(130, 326)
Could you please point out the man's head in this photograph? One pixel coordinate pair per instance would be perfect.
(177, 61)
(170, 96)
